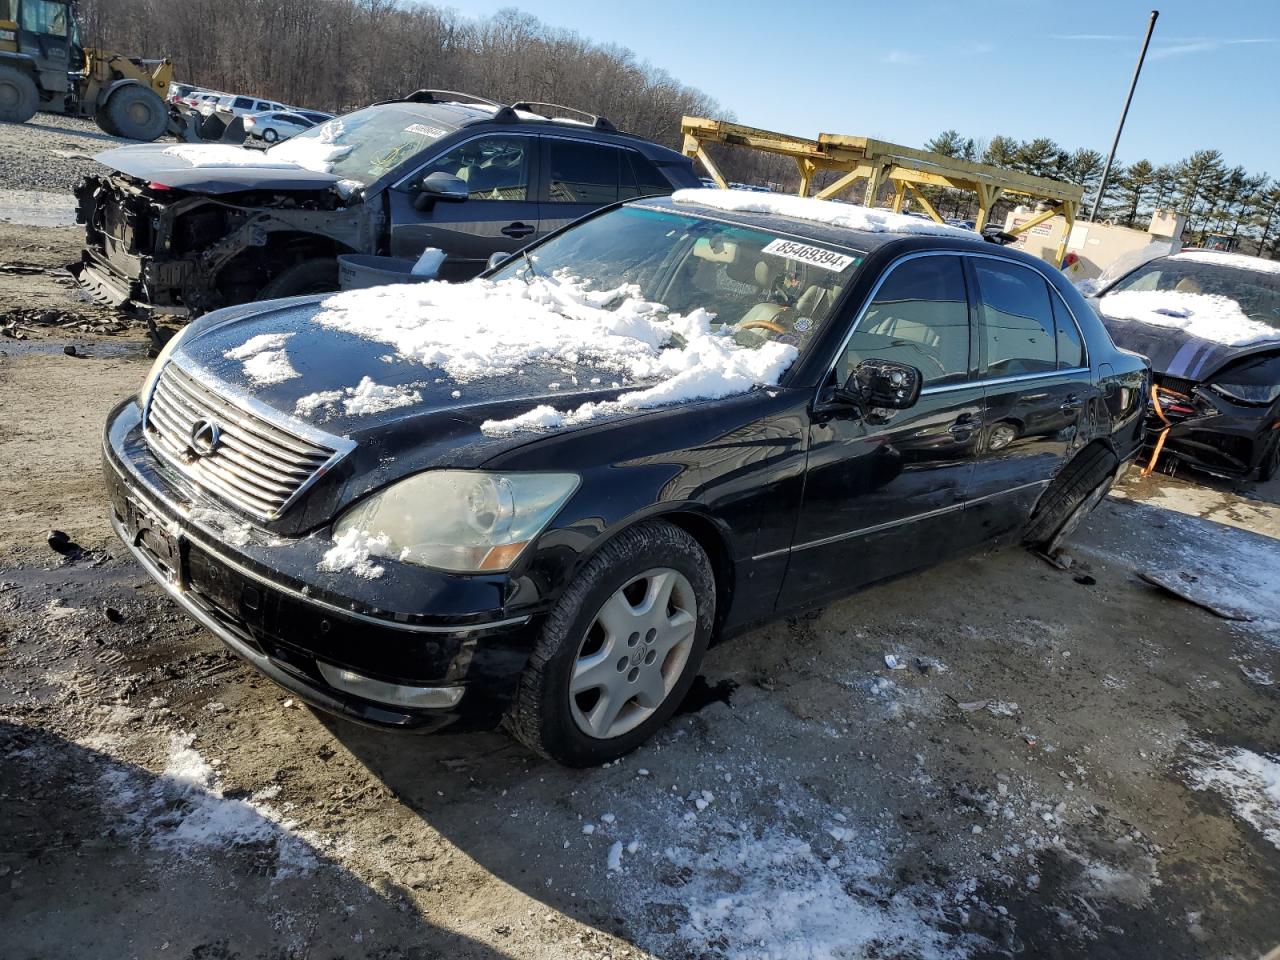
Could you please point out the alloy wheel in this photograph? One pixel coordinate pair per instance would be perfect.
(633, 654)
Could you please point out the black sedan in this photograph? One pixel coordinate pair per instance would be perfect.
(539, 495)
(1210, 323)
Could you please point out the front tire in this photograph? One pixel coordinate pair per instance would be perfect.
(137, 113)
(1270, 464)
(618, 653)
(310, 276)
(1074, 493)
(19, 97)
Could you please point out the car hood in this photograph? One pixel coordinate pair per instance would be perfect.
(348, 386)
(212, 168)
(1175, 352)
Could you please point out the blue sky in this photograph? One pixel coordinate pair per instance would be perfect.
(904, 71)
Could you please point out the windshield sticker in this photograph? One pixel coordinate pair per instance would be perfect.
(424, 130)
(818, 257)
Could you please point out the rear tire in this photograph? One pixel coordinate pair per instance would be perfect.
(270, 135)
(19, 97)
(137, 113)
(1073, 494)
(310, 276)
(650, 682)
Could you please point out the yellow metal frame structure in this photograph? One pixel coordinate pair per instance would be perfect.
(879, 162)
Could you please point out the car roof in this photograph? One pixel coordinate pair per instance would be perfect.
(456, 115)
(1224, 258)
(862, 240)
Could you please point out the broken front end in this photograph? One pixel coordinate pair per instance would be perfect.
(158, 248)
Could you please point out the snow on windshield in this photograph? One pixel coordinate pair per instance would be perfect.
(316, 152)
(1237, 261)
(829, 212)
(489, 329)
(1203, 315)
(211, 155)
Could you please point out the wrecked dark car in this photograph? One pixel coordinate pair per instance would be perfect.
(1210, 323)
(537, 496)
(192, 227)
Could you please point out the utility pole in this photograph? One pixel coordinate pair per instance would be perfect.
(1106, 171)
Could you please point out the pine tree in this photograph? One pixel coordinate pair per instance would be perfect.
(1137, 180)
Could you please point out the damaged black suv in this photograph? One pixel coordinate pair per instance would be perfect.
(188, 228)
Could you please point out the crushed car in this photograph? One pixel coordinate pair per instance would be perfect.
(540, 494)
(189, 228)
(1210, 323)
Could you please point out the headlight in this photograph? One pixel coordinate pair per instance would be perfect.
(462, 521)
(162, 358)
(1255, 393)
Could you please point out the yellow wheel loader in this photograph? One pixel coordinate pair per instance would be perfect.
(44, 67)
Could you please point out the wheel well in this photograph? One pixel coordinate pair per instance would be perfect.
(244, 275)
(713, 543)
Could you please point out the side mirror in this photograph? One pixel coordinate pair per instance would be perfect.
(885, 384)
(497, 259)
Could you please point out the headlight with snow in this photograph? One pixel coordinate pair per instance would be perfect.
(462, 521)
(162, 358)
(1260, 394)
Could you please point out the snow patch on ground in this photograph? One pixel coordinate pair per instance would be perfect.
(486, 329)
(827, 212)
(1203, 315)
(352, 551)
(1237, 261)
(211, 155)
(184, 810)
(365, 398)
(1248, 781)
(264, 359)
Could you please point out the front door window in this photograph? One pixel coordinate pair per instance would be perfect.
(494, 168)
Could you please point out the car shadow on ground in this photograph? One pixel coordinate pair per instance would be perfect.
(89, 134)
(100, 858)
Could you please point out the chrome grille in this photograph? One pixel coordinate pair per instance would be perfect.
(254, 464)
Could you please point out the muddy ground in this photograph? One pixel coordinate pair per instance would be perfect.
(1072, 763)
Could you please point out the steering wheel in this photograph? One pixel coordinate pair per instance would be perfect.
(764, 324)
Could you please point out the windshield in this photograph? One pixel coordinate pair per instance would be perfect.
(364, 145)
(762, 285)
(1256, 292)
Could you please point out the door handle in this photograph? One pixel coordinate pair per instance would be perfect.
(1072, 404)
(518, 230)
(965, 427)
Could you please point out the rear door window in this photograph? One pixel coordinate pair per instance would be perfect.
(1017, 319)
(582, 172)
(919, 316)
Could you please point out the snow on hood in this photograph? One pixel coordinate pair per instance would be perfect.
(1237, 261)
(484, 329)
(223, 155)
(827, 212)
(1203, 315)
(316, 153)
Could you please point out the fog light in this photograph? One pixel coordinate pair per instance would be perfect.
(394, 693)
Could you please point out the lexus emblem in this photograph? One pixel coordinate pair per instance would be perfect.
(204, 438)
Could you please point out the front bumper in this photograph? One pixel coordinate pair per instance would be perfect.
(266, 601)
(1211, 433)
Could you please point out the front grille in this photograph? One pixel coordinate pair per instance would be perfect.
(254, 465)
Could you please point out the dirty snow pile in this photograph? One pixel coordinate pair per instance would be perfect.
(265, 361)
(364, 398)
(353, 550)
(486, 329)
(319, 152)
(184, 810)
(1249, 781)
(1203, 315)
(1237, 261)
(828, 212)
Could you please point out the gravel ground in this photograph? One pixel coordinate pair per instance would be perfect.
(1073, 763)
(50, 153)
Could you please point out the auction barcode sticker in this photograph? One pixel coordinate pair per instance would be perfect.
(815, 256)
(425, 130)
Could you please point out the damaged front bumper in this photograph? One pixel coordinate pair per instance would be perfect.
(1190, 423)
(394, 665)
